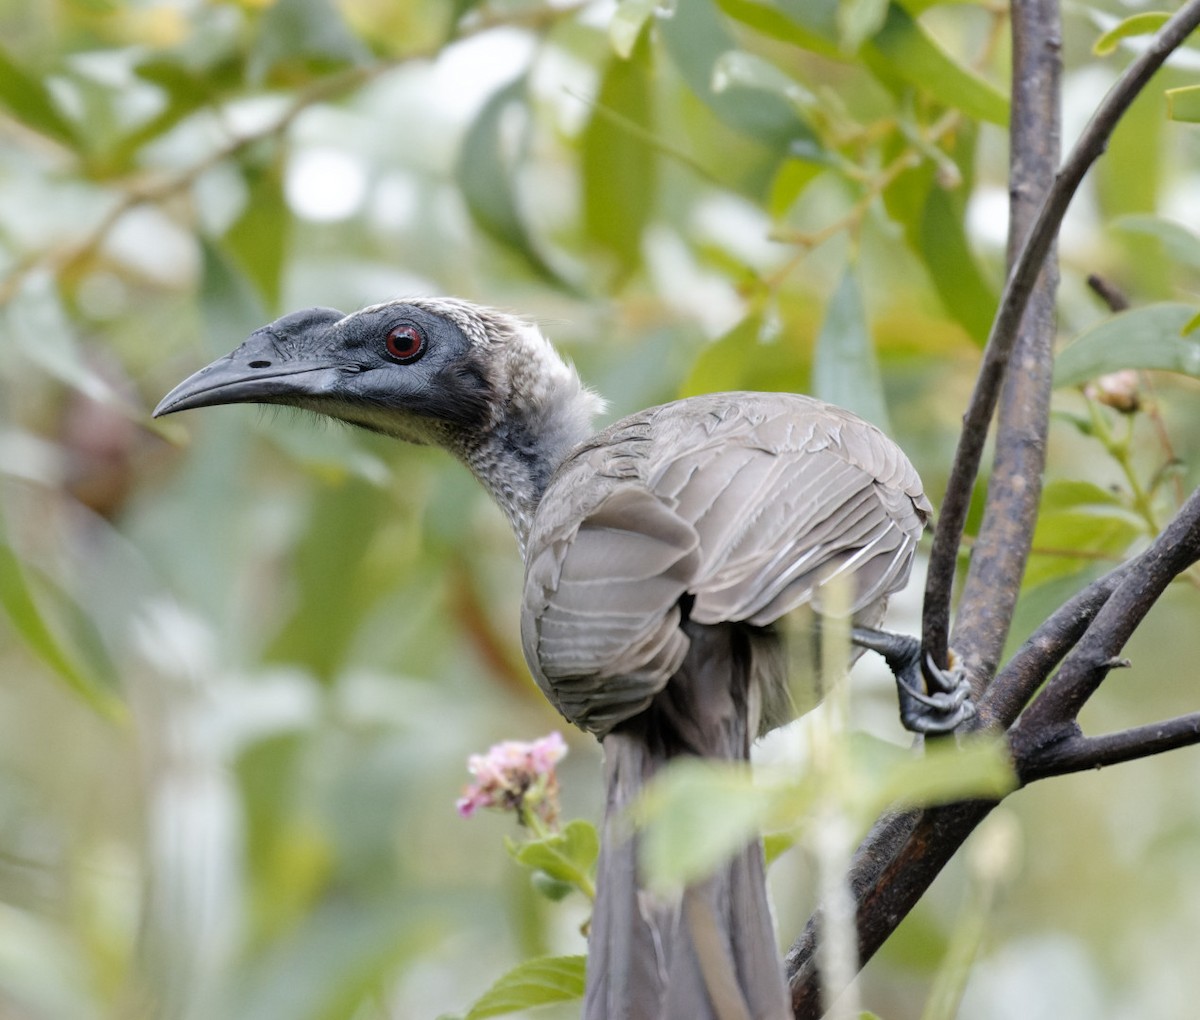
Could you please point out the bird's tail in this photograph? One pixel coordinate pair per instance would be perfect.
(709, 954)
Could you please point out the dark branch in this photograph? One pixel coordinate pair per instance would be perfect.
(1085, 668)
(1001, 551)
(1091, 143)
(1078, 753)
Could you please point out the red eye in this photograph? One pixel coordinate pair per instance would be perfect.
(406, 343)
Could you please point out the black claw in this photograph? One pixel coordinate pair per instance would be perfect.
(932, 700)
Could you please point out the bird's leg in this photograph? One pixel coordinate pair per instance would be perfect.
(935, 704)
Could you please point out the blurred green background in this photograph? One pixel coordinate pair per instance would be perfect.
(244, 654)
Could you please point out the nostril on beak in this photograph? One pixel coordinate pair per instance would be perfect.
(260, 364)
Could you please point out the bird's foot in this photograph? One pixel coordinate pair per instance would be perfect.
(937, 703)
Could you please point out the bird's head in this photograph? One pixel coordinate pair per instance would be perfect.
(484, 384)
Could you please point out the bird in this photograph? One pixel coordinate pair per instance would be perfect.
(662, 555)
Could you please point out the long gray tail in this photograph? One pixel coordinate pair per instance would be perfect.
(709, 954)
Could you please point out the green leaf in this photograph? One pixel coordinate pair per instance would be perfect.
(845, 370)
(858, 20)
(627, 23)
(537, 982)
(978, 767)
(568, 856)
(809, 25)
(697, 814)
(1154, 336)
(27, 619)
(957, 278)
(1146, 23)
(904, 51)
(695, 37)
(1077, 522)
(259, 238)
(30, 102)
(748, 70)
(1180, 243)
(1183, 104)
(618, 164)
(742, 360)
(487, 174)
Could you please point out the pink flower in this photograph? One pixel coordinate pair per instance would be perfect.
(518, 776)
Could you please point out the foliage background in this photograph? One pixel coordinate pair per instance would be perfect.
(243, 656)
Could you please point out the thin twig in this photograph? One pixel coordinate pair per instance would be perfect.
(1080, 753)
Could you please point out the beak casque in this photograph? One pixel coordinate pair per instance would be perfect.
(253, 374)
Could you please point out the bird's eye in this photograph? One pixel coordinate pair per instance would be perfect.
(405, 343)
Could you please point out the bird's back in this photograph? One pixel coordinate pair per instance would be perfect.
(728, 508)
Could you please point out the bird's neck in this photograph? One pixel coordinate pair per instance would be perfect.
(515, 460)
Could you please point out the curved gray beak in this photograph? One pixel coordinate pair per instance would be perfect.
(253, 374)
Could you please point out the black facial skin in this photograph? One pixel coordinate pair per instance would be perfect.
(338, 365)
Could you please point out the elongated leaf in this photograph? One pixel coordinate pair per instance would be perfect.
(956, 275)
(627, 23)
(1146, 23)
(905, 51)
(845, 370)
(740, 360)
(534, 983)
(618, 164)
(809, 25)
(486, 173)
(945, 772)
(298, 37)
(26, 617)
(1078, 521)
(258, 240)
(27, 99)
(858, 20)
(1149, 337)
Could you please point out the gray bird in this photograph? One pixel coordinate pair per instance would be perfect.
(660, 553)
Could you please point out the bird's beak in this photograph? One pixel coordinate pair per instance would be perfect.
(253, 374)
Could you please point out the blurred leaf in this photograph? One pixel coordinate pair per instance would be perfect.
(740, 360)
(1078, 521)
(537, 982)
(1152, 336)
(810, 25)
(567, 856)
(961, 285)
(845, 370)
(1181, 243)
(696, 814)
(627, 23)
(793, 177)
(1146, 23)
(93, 683)
(903, 50)
(975, 768)
(30, 102)
(296, 37)
(858, 20)
(776, 844)
(618, 165)
(259, 238)
(487, 174)
(1183, 104)
(748, 70)
(695, 38)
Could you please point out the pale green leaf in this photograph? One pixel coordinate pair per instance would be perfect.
(29, 101)
(1183, 104)
(259, 237)
(859, 20)
(946, 772)
(627, 23)
(1145, 23)
(568, 856)
(845, 369)
(697, 814)
(1153, 336)
(1180, 243)
(748, 70)
(537, 982)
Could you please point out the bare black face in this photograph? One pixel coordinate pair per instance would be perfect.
(399, 369)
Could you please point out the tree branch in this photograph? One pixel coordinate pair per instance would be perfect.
(1078, 753)
(1017, 291)
(1001, 551)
